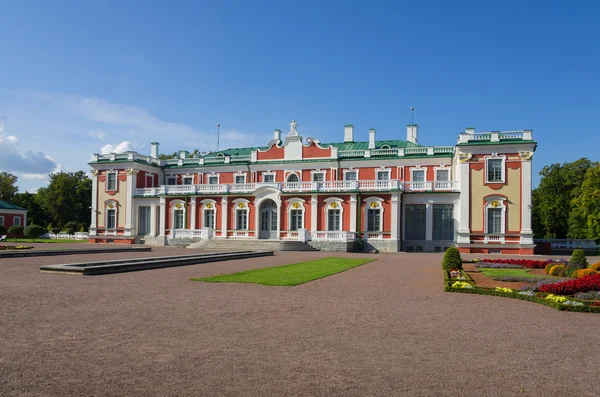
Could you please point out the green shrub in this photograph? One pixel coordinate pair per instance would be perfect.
(569, 271)
(2, 230)
(578, 259)
(15, 231)
(452, 259)
(34, 231)
(56, 230)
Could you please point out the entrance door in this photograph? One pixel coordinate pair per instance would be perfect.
(268, 220)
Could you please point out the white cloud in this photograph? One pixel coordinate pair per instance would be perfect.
(12, 160)
(34, 177)
(122, 147)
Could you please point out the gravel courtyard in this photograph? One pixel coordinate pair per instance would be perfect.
(382, 329)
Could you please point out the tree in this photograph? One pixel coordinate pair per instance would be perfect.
(67, 197)
(8, 186)
(584, 220)
(71, 227)
(35, 213)
(34, 231)
(2, 230)
(15, 231)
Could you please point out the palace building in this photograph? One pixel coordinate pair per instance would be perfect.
(392, 195)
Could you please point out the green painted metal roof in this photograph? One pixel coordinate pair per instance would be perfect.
(5, 205)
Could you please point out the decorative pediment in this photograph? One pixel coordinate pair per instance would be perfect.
(464, 157)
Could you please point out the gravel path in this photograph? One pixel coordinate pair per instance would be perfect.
(385, 328)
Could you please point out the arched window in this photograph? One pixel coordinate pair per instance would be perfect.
(241, 214)
(293, 177)
(110, 208)
(374, 214)
(334, 212)
(295, 214)
(209, 212)
(178, 214)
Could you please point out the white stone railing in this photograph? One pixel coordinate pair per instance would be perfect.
(374, 235)
(146, 191)
(240, 234)
(242, 187)
(493, 238)
(332, 236)
(494, 136)
(431, 186)
(66, 236)
(211, 188)
(301, 186)
(378, 185)
(384, 152)
(351, 153)
(337, 186)
(415, 150)
(240, 158)
(186, 233)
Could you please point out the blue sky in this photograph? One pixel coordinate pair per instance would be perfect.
(79, 77)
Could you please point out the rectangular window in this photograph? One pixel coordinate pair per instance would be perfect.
(373, 220)
(111, 181)
(241, 219)
(240, 179)
(383, 175)
(351, 176)
(144, 220)
(318, 176)
(213, 180)
(443, 175)
(418, 175)
(269, 178)
(296, 219)
(188, 180)
(209, 218)
(171, 180)
(178, 219)
(494, 170)
(494, 220)
(149, 180)
(111, 219)
(17, 221)
(1, 221)
(333, 218)
(443, 222)
(415, 221)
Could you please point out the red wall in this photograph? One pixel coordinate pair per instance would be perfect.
(8, 219)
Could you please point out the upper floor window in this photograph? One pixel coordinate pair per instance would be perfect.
(495, 169)
(171, 180)
(268, 177)
(383, 175)
(240, 178)
(351, 175)
(442, 175)
(318, 176)
(418, 175)
(293, 178)
(213, 180)
(111, 181)
(188, 180)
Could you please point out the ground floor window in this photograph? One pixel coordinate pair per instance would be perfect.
(334, 220)
(1, 221)
(111, 218)
(144, 220)
(178, 219)
(17, 221)
(443, 222)
(415, 221)
(209, 218)
(374, 220)
(241, 219)
(296, 219)
(494, 220)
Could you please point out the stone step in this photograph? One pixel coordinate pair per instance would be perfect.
(233, 245)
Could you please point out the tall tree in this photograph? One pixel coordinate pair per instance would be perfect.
(67, 198)
(8, 186)
(584, 221)
(35, 213)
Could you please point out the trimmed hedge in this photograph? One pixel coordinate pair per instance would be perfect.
(578, 259)
(452, 259)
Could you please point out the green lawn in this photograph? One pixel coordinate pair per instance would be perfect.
(509, 272)
(43, 240)
(289, 275)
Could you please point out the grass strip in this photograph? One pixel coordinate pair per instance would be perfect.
(290, 275)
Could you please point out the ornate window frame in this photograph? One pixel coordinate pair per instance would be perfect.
(212, 175)
(320, 172)
(494, 201)
(290, 173)
(170, 177)
(16, 218)
(296, 203)
(187, 176)
(241, 204)
(352, 169)
(111, 205)
(177, 205)
(116, 174)
(240, 173)
(373, 203)
(209, 205)
(269, 172)
(495, 156)
(334, 203)
(418, 168)
(442, 167)
(383, 169)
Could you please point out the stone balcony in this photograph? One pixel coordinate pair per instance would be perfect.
(300, 187)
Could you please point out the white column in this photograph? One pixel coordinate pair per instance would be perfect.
(94, 202)
(193, 213)
(395, 215)
(353, 212)
(131, 179)
(163, 217)
(429, 222)
(464, 232)
(526, 231)
(25, 219)
(153, 220)
(313, 213)
(224, 213)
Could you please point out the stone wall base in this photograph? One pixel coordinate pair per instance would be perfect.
(384, 245)
(333, 246)
(426, 245)
(151, 240)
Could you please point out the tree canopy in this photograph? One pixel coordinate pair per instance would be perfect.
(67, 198)
(8, 186)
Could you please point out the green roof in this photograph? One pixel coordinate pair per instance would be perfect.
(5, 205)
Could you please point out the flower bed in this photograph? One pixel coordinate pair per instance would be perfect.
(571, 287)
(528, 263)
(12, 247)
(491, 265)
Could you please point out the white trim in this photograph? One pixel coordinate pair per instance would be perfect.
(187, 176)
(16, 218)
(212, 175)
(383, 169)
(318, 171)
(418, 168)
(302, 208)
(265, 173)
(487, 206)
(352, 169)
(442, 167)
(240, 173)
(171, 176)
(495, 156)
(379, 204)
(340, 206)
(106, 187)
(213, 203)
(290, 173)
(244, 207)
(1, 220)
(106, 209)
(174, 204)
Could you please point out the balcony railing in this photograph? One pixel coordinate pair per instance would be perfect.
(449, 186)
(332, 236)
(186, 233)
(493, 238)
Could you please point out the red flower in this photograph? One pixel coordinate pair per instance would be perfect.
(570, 287)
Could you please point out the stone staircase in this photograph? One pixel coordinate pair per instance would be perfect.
(226, 245)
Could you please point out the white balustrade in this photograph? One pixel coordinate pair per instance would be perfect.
(415, 150)
(180, 189)
(146, 191)
(374, 236)
(351, 153)
(186, 233)
(493, 238)
(384, 152)
(332, 235)
(242, 187)
(377, 185)
(300, 186)
(211, 188)
(240, 234)
(337, 186)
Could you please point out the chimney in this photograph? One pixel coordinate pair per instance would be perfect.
(412, 133)
(349, 133)
(277, 134)
(470, 130)
(372, 138)
(154, 150)
(184, 154)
